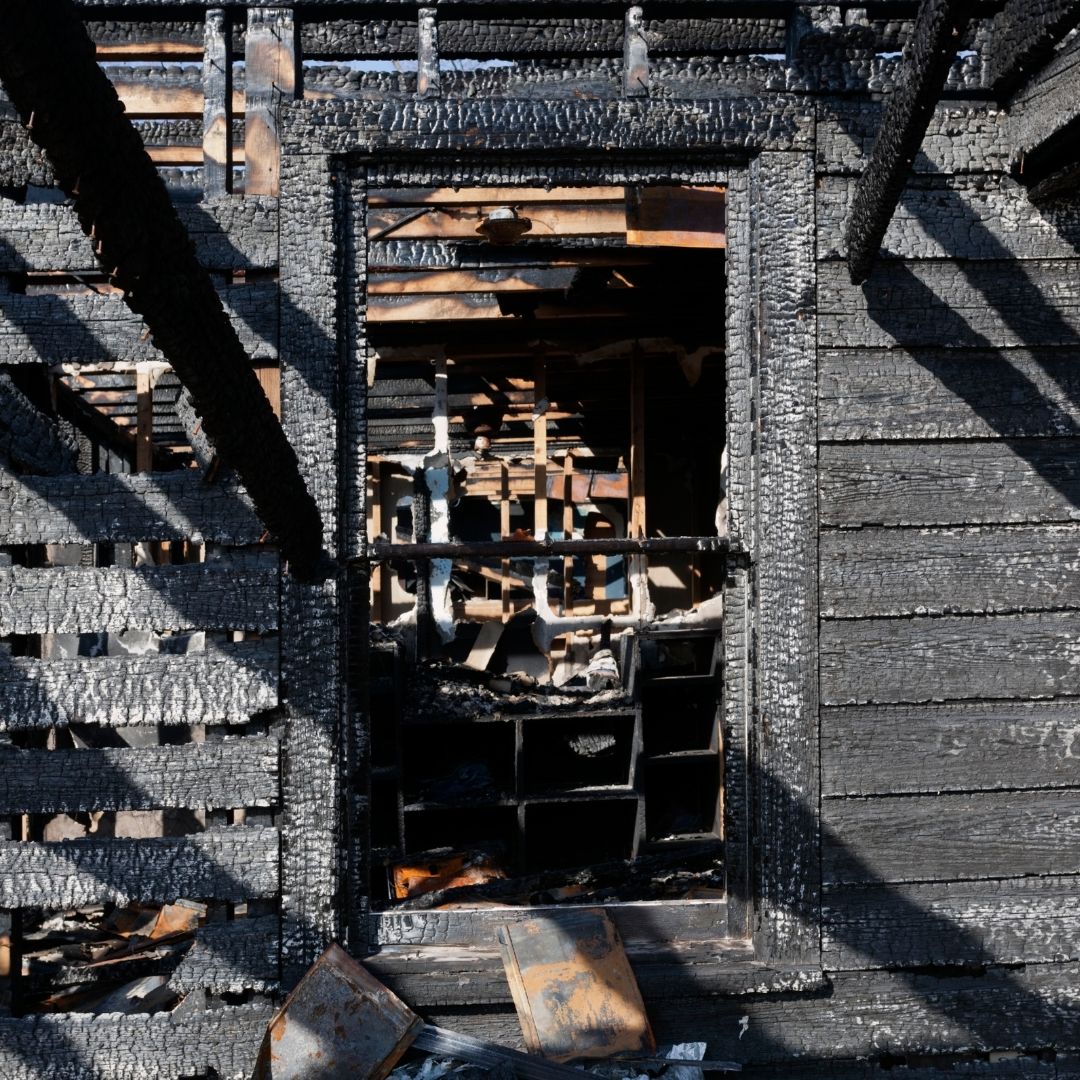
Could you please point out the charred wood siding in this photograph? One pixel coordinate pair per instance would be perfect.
(947, 497)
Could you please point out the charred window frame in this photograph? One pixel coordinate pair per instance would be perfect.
(770, 621)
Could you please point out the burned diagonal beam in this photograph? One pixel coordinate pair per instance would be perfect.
(938, 29)
(48, 69)
(1022, 38)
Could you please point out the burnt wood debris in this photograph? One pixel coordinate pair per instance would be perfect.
(509, 496)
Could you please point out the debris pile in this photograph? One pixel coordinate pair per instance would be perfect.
(573, 988)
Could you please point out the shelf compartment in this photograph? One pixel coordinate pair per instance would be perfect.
(458, 763)
(579, 833)
(682, 797)
(677, 654)
(574, 753)
(678, 716)
(480, 828)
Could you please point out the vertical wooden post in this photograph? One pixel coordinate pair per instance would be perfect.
(635, 54)
(504, 532)
(540, 451)
(638, 565)
(637, 445)
(568, 532)
(270, 77)
(144, 420)
(427, 67)
(217, 105)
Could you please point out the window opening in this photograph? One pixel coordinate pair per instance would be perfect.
(546, 520)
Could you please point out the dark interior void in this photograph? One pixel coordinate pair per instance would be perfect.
(545, 729)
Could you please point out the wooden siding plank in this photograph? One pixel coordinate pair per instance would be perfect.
(573, 123)
(224, 684)
(231, 773)
(948, 393)
(1018, 920)
(893, 749)
(124, 507)
(44, 329)
(991, 304)
(957, 217)
(949, 571)
(642, 922)
(846, 131)
(73, 600)
(74, 1046)
(950, 658)
(500, 37)
(1015, 481)
(237, 863)
(865, 1015)
(227, 959)
(950, 837)
(437, 975)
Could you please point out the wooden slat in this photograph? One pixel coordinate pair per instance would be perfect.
(897, 749)
(1022, 481)
(549, 220)
(950, 658)
(230, 958)
(948, 304)
(956, 571)
(950, 837)
(153, 506)
(1016, 920)
(73, 600)
(73, 1046)
(145, 98)
(957, 217)
(238, 863)
(525, 279)
(231, 773)
(497, 196)
(44, 329)
(224, 684)
(947, 393)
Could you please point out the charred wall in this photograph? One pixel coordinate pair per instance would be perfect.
(946, 490)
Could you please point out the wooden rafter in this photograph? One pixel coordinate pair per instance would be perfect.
(938, 28)
(48, 69)
(1022, 38)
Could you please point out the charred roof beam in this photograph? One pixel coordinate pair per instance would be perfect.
(1022, 39)
(939, 26)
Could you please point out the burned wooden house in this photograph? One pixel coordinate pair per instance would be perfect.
(636, 465)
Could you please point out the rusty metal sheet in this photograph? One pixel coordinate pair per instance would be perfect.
(340, 1023)
(573, 988)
